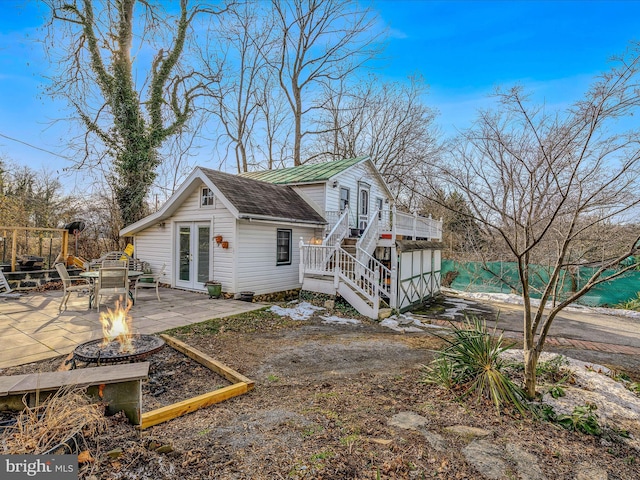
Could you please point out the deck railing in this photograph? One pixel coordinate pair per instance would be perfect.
(317, 259)
(415, 226)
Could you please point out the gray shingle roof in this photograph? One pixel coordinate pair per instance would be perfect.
(253, 197)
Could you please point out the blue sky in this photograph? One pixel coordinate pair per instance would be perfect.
(463, 49)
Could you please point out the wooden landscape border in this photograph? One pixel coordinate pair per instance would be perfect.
(240, 385)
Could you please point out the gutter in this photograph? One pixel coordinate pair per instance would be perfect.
(266, 218)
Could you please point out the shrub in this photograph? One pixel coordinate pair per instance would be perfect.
(581, 420)
(471, 362)
(633, 304)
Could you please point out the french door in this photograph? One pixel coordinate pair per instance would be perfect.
(193, 249)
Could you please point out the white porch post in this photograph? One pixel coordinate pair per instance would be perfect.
(301, 264)
(393, 293)
(394, 222)
(336, 266)
(376, 296)
(415, 224)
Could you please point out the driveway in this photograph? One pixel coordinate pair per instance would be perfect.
(580, 332)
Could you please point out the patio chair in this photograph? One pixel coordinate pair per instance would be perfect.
(68, 286)
(111, 281)
(115, 263)
(106, 257)
(149, 280)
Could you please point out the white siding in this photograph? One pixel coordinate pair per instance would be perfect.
(153, 246)
(314, 194)
(256, 257)
(157, 245)
(349, 179)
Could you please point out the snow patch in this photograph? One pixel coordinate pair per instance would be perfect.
(405, 323)
(302, 311)
(617, 406)
(514, 299)
(340, 320)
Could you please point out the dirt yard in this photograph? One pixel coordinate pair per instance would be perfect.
(323, 406)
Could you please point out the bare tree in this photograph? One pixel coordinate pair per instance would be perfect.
(461, 234)
(390, 122)
(319, 42)
(546, 186)
(246, 43)
(98, 75)
(275, 126)
(30, 198)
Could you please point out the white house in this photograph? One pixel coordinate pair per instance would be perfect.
(329, 227)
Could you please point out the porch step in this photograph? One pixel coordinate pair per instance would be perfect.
(349, 245)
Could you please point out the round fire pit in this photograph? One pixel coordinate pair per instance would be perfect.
(94, 352)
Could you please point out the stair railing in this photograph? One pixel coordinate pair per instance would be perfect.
(384, 273)
(359, 277)
(339, 230)
(369, 238)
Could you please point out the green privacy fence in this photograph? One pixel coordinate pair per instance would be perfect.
(502, 277)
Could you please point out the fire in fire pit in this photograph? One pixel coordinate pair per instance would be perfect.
(118, 343)
(116, 325)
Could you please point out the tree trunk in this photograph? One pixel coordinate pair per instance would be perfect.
(530, 363)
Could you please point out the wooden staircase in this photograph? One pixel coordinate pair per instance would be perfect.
(337, 270)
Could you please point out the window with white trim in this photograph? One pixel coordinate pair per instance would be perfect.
(344, 198)
(379, 203)
(283, 249)
(206, 197)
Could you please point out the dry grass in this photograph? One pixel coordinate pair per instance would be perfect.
(41, 428)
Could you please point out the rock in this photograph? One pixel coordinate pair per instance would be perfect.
(526, 463)
(115, 453)
(485, 457)
(407, 420)
(391, 323)
(465, 431)
(586, 471)
(164, 449)
(436, 440)
(403, 321)
(412, 330)
(330, 304)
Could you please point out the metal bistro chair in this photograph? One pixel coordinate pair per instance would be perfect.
(111, 281)
(149, 280)
(115, 263)
(69, 287)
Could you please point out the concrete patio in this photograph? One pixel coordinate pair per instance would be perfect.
(32, 328)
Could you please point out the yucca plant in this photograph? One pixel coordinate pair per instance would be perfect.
(471, 362)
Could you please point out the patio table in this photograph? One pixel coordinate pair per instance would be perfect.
(92, 275)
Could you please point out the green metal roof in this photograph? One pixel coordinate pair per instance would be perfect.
(308, 173)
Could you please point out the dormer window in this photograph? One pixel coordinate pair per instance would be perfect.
(206, 197)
